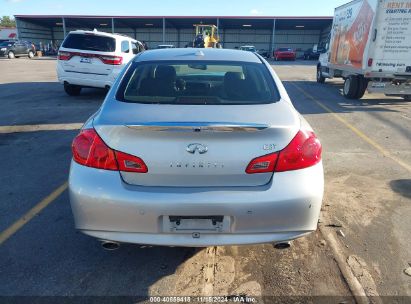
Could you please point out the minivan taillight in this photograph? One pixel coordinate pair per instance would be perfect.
(303, 151)
(64, 55)
(90, 150)
(113, 60)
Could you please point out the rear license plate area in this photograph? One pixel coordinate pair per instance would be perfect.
(85, 60)
(187, 224)
(378, 85)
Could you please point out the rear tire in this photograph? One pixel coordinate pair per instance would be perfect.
(11, 55)
(320, 77)
(31, 54)
(350, 88)
(72, 90)
(362, 87)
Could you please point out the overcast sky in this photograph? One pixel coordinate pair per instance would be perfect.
(171, 7)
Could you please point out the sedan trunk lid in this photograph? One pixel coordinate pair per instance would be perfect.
(197, 145)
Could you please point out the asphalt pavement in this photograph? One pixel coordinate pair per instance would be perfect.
(367, 205)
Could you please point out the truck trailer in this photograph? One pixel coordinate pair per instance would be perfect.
(370, 48)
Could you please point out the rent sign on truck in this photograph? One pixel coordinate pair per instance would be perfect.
(393, 42)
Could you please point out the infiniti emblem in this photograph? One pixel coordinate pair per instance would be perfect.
(192, 148)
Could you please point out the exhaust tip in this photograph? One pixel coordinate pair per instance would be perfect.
(282, 245)
(110, 245)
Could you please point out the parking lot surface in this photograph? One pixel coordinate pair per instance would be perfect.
(366, 209)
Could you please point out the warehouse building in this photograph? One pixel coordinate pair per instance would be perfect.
(265, 33)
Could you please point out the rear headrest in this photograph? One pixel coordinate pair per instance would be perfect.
(233, 76)
(165, 72)
(235, 86)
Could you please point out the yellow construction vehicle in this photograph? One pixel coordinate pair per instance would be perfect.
(206, 36)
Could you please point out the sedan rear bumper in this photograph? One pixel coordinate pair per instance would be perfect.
(187, 240)
(107, 208)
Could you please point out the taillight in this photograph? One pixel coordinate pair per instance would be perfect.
(64, 55)
(370, 62)
(130, 163)
(265, 163)
(303, 151)
(113, 60)
(91, 151)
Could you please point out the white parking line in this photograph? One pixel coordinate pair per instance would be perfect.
(35, 128)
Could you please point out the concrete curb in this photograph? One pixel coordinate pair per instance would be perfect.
(355, 286)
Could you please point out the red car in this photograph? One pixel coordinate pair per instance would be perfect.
(284, 53)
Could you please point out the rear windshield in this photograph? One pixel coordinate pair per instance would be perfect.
(285, 50)
(90, 42)
(198, 83)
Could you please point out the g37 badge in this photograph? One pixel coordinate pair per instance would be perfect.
(268, 147)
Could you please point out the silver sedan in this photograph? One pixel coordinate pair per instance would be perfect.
(196, 147)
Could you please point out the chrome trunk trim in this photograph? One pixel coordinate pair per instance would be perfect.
(198, 126)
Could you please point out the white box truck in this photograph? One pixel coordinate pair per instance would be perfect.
(370, 48)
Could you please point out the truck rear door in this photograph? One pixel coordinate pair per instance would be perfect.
(392, 34)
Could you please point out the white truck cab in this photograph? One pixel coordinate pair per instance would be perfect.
(369, 47)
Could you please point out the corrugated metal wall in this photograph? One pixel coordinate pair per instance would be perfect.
(324, 34)
(152, 36)
(299, 39)
(33, 32)
(233, 38)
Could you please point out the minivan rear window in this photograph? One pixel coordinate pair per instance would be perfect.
(198, 82)
(90, 42)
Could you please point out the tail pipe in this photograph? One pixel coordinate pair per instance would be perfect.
(110, 245)
(282, 245)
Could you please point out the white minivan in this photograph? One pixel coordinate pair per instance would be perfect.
(93, 59)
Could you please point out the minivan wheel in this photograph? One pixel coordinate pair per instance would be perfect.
(11, 55)
(31, 54)
(72, 90)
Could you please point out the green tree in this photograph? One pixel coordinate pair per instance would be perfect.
(7, 21)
